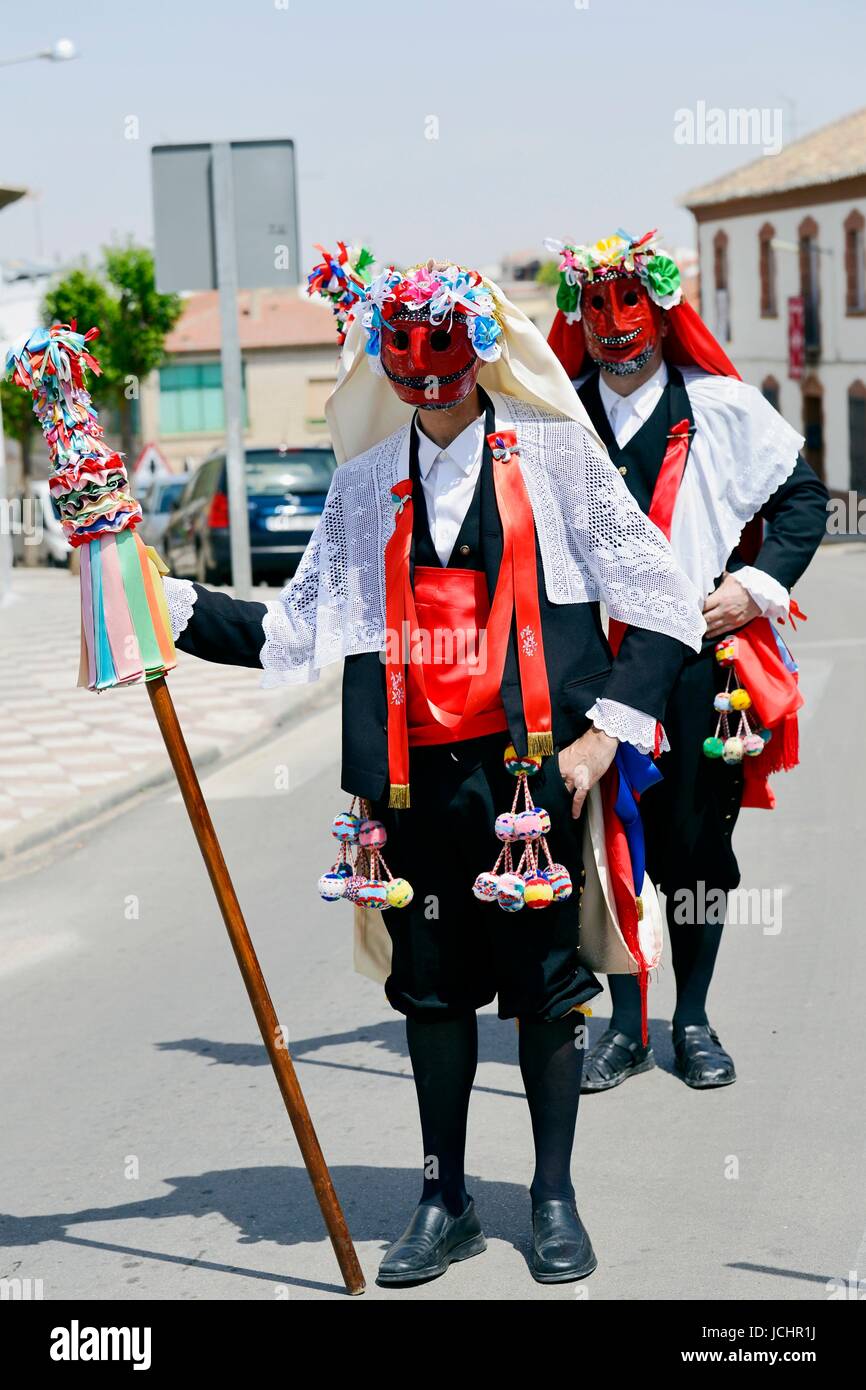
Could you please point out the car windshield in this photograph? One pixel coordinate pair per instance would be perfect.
(275, 472)
(167, 495)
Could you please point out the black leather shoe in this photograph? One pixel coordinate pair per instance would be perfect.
(614, 1058)
(701, 1060)
(561, 1248)
(430, 1243)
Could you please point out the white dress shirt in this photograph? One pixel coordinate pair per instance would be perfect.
(449, 477)
(626, 415)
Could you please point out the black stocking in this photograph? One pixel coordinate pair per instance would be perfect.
(694, 947)
(551, 1063)
(444, 1056)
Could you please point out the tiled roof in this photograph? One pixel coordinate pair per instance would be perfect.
(268, 319)
(835, 152)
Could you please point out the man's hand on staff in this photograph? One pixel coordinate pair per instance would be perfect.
(729, 607)
(584, 762)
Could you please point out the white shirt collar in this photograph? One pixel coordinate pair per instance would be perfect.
(464, 451)
(641, 402)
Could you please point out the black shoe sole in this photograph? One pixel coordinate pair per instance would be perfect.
(567, 1276)
(647, 1065)
(475, 1246)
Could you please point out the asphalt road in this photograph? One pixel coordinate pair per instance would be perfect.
(146, 1152)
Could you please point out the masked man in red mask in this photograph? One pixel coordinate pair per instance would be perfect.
(717, 469)
(466, 543)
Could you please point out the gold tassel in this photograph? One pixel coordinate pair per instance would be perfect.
(399, 798)
(539, 745)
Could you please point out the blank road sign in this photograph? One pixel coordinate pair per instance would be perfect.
(265, 215)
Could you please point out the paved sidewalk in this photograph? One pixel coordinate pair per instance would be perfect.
(66, 754)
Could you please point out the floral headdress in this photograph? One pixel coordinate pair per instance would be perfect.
(342, 280)
(610, 259)
(435, 294)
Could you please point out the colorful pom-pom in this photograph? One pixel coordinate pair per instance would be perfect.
(560, 881)
(766, 734)
(400, 892)
(353, 887)
(486, 887)
(726, 651)
(733, 750)
(515, 764)
(527, 825)
(544, 819)
(331, 886)
(722, 702)
(714, 747)
(503, 827)
(753, 745)
(372, 834)
(373, 894)
(346, 827)
(510, 892)
(740, 699)
(344, 869)
(537, 891)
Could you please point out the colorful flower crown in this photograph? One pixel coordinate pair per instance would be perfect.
(433, 294)
(610, 259)
(342, 280)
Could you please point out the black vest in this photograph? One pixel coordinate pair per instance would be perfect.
(641, 460)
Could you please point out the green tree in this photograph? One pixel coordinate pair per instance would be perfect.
(20, 424)
(133, 318)
(548, 273)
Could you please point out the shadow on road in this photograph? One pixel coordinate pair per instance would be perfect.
(275, 1204)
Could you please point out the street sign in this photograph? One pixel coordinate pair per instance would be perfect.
(225, 217)
(796, 336)
(151, 463)
(264, 216)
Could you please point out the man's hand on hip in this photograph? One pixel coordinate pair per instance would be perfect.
(729, 607)
(584, 762)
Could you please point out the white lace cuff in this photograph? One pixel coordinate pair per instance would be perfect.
(627, 724)
(180, 595)
(771, 597)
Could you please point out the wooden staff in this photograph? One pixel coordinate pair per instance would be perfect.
(271, 1032)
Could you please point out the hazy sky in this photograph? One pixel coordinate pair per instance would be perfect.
(553, 118)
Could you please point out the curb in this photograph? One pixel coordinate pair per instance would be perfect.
(78, 813)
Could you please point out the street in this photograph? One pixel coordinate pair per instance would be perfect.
(147, 1153)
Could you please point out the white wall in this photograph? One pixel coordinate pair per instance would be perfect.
(759, 347)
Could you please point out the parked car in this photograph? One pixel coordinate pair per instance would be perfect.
(157, 503)
(40, 510)
(286, 490)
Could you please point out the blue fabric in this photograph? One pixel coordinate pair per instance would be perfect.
(637, 772)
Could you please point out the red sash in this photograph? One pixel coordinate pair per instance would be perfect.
(516, 593)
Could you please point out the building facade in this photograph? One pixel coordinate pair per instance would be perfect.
(289, 355)
(783, 286)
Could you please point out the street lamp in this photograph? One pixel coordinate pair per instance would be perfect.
(60, 52)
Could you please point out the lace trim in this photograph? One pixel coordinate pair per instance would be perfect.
(771, 597)
(627, 724)
(595, 542)
(743, 450)
(180, 596)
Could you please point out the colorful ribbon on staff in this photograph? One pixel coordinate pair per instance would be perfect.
(125, 626)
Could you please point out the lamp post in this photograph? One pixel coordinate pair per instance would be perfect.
(60, 52)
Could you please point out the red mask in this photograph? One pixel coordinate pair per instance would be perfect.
(621, 325)
(429, 365)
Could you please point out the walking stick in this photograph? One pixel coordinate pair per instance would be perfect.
(284, 1071)
(126, 637)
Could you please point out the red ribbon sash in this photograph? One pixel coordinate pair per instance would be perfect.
(516, 590)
